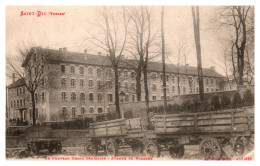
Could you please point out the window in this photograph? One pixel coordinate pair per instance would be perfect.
(133, 98)
(197, 80)
(99, 72)
(99, 97)
(154, 98)
(72, 69)
(207, 89)
(30, 112)
(90, 83)
(173, 79)
(161, 77)
(63, 81)
(11, 103)
(14, 103)
(17, 91)
(73, 112)
(63, 96)
(125, 74)
(108, 72)
(73, 96)
(162, 88)
(83, 110)
(132, 74)
(109, 85)
(23, 89)
(21, 102)
(207, 81)
(184, 90)
(91, 97)
(212, 81)
(72, 82)
(100, 110)
(154, 76)
(91, 110)
(20, 90)
(64, 113)
(81, 70)
(24, 102)
(99, 85)
(183, 80)
(167, 88)
(109, 98)
(197, 89)
(126, 85)
(153, 87)
(212, 89)
(173, 89)
(42, 82)
(81, 82)
(82, 96)
(43, 96)
(126, 98)
(132, 86)
(90, 71)
(63, 68)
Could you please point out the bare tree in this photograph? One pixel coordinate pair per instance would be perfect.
(239, 25)
(196, 26)
(32, 66)
(113, 43)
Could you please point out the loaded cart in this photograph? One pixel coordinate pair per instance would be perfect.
(216, 133)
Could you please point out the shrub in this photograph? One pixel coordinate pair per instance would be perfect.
(248, 98)
(215, 104)
(128, 114)
(196, 105)
(100, 118)
(187, 106)
(173, 109)
(225, 102)
(111, 116)
(237, 100)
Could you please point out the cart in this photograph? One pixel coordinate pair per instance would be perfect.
(51, 144)
(216, 133)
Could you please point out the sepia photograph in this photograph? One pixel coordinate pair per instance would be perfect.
(130, 83)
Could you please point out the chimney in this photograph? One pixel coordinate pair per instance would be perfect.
(99, 53)
(13, 77)
(213, 68)
(65, 49)
(60, 49)
(85, 51)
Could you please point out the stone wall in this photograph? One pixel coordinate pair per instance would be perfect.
(138, 108)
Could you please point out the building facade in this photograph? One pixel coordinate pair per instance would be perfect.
(83, 84)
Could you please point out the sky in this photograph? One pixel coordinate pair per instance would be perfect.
(71, 29)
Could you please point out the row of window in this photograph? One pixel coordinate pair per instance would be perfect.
(65, 115)
(17, 103)
(40, 97)
(82, 97)
(20, 90)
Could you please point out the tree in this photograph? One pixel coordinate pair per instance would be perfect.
(196, 26)
(113, 43)
(239, 23)
(32, 66)
(163, 60)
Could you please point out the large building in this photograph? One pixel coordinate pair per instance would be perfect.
(82, 83)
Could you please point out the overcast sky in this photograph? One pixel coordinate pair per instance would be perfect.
(70, 30)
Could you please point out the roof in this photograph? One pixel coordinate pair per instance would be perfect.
(17, 83)
(100, 60)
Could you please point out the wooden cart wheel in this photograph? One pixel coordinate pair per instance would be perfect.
(177, 152)
(137, 149)
(90, 149)
(112, 148)
(35, 149)
(210, 148)
(152, 149)
(239, 148)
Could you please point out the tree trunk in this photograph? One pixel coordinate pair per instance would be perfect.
(33, 108)
(196, 25)
(117, 93)
(146, 87)
(138, 82)
(163, 61)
